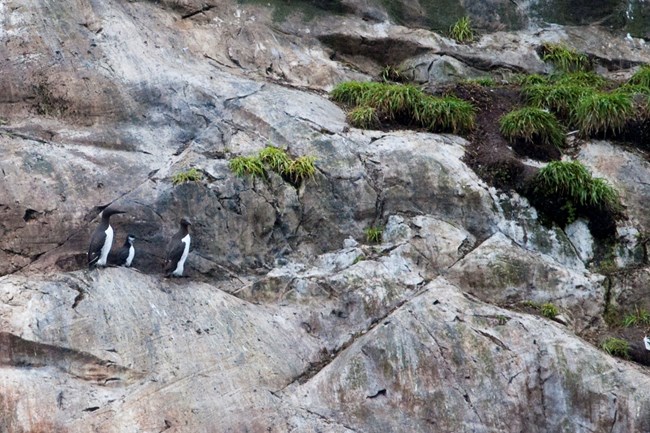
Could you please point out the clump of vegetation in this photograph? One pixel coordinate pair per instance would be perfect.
(391, 73)
(532, 125)
(641, 77)
(191, 175)
(601, 113)
(572, 181)
(374, 234)
(564, 58)
(549, 310)
(274, 159)
(608, 266)
(529, 304)
(616, 347)
(353, 92)
(247, 166)
(363, 117)
(481, 81)
(445, 114)
(394, 101)
(461, 31)
(581, 78)
(558, 98)
(301, 169)
(639, 317)
(633, 89)
(406, 105)
(564, 191)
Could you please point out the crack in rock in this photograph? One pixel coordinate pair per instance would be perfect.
(377, 394)
(316, 367)
(196, 12)
(20, 353)
(328, 420)
(492, 338)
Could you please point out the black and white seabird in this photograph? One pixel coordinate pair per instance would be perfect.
(102, 240)
(177, 250)
(127, 252)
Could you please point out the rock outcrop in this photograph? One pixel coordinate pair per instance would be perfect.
(290, 319)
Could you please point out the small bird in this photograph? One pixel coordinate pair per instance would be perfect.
(102, 240)
(177, 250)
(127, 252)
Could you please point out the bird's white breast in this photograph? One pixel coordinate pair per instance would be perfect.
(129, 259)
(106, 248)
(181, 263)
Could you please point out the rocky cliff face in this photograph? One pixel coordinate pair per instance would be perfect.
(290, 320)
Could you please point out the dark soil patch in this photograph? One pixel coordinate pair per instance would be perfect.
(634, 336)
(540, 151)
(489, 154)
(499, 163)
(637, 133)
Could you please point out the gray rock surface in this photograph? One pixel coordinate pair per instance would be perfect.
(290, 321)
(430, 359)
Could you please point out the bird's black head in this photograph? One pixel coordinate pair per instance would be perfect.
(109, 211)
(130, 238)
(185, 222)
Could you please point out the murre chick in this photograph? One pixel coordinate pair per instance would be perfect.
(127, 252)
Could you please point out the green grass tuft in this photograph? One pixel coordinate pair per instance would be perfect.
(481, 81)
(275, 158)
(363, 117)
(572, 180)
(641, 77)
(533, 125)
(559, 98)
(352, 92)
(639, 317)
(405, 104)
(191, 175)
(616, 347)
(448, 114)
(633, 89)
(302, 168)
(581, 78)
(549, 310)
(393, 100)
(391, 73)
(564, 58)
(461, 31)
(374, 234)
(603, 113)
(247, 166)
